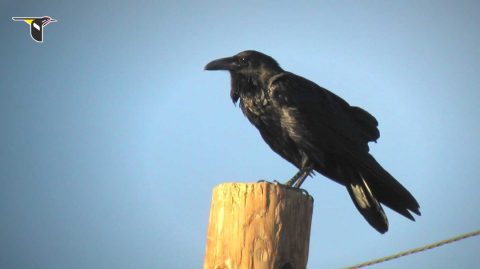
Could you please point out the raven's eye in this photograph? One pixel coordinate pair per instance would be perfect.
(243, 60)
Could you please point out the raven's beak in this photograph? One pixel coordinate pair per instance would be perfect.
(228, 63)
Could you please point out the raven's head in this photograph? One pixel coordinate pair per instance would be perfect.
(248, 63)
(248, 66)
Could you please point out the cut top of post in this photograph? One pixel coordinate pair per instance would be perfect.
(258, 225)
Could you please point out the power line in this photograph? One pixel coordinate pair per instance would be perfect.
(415, 250)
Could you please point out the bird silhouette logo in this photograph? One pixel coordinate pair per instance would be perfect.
(36, 25)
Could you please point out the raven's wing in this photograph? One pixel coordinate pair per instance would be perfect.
(323, 124)
(313, 113)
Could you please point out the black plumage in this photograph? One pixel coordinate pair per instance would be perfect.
(315, 130)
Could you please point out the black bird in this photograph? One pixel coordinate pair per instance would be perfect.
(315, 130)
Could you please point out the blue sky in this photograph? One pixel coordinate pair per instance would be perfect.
(113, 135)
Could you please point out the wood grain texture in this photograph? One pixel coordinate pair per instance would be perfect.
(258, 225)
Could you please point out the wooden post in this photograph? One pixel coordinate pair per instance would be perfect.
(258, 226)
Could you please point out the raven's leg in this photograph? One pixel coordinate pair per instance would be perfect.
(302, 178)
(295, 177)
(299, 177)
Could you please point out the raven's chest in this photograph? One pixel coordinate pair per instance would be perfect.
(259, 110)
(275, 126)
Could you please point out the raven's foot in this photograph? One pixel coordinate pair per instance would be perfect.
(302, 191)
(288, 185)
(273, 182)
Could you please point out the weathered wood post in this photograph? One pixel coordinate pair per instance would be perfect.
(258, 226)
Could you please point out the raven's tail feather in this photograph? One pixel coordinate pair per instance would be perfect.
(366, 203)
(370, 186)
(391, 193)
(373, 184)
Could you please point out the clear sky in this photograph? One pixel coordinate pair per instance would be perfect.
(112, 135)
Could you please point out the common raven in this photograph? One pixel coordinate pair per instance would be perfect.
(315, 130)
